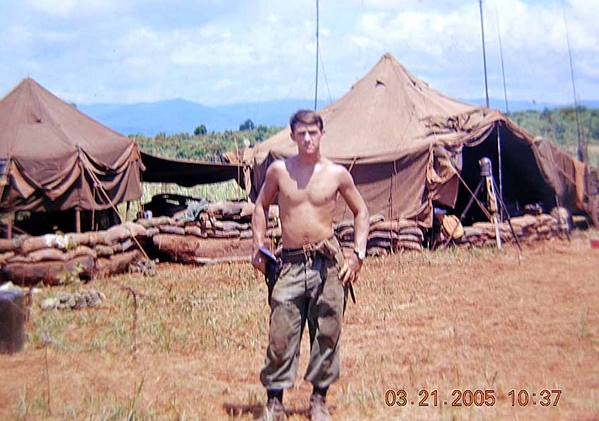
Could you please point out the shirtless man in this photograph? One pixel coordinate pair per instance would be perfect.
(314, 278)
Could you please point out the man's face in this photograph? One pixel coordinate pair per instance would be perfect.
(307, 137)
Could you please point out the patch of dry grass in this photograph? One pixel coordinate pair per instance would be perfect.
(193, 346)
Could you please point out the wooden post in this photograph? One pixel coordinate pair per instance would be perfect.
(77, 220)
(11, 218)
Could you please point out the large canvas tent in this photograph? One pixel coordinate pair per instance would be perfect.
(59, 159)
(411, 148)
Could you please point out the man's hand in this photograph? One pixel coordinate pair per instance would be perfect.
(259, 262)
(349, 272)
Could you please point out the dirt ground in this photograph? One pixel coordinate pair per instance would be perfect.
(467, 332)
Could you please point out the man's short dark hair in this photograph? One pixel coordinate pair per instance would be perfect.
(306, 117)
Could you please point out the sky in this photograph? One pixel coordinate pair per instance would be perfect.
(218, 52)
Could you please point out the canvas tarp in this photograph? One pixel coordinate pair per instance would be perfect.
(410, 148)
(57, 157)
(188, 173)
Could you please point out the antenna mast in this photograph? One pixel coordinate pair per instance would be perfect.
(507, 110)
(482, 29)
(317, 54)
(581, 151)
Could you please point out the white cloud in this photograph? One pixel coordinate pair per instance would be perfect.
(217, 52)
(72, 8)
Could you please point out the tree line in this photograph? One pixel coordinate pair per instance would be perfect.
(204, 146)
(561, 125)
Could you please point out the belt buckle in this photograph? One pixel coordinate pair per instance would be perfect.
(308, 250)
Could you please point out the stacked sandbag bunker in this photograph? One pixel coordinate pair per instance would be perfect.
(385, 236)
(528, 228)
(221, 232)
(56, 258)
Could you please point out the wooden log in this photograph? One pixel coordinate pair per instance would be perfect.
(12, 321)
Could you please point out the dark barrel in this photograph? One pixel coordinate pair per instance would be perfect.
(12, 319)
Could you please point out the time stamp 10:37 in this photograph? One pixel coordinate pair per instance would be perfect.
(467, 397)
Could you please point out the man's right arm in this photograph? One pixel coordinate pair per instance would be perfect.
(267, 194)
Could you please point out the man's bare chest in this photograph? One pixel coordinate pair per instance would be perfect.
(317, 191)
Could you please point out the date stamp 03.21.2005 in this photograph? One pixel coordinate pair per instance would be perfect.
(467, 397)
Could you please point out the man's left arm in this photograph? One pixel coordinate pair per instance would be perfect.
(354, 200)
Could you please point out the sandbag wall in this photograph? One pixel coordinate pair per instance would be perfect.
(385, 237)
(528, 229)
(221, 233)
(58, 258)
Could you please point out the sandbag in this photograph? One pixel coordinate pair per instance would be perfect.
(31, 244)
(231, 210)
(407, 245)
(136, 230)
(4, 257)
(50, 272)
(223, 234)
(412, 231)
(85, 238)
(194, 230)
(116, 264)
(155, 222)
(170, 229)
(230, 225)
(394, 225)
(10, 244)
(185, 249)
(102, 250)
(388, 235)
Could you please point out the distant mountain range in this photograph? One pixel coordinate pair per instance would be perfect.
(181, 116)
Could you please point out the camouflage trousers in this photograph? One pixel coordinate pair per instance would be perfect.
(307, 290)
